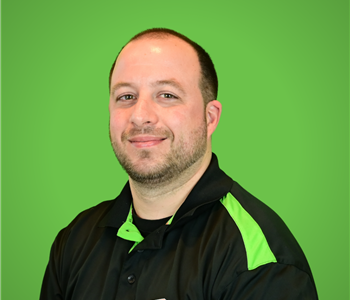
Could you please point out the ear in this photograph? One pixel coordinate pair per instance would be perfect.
(213, 113)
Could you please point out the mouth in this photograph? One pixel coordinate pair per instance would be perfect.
(146, 141)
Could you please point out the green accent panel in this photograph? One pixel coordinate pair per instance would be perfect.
(128, 231)
(256, 246)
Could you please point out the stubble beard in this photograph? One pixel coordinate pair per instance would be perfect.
(175, 163)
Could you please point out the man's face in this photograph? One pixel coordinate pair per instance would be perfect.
(157, 115)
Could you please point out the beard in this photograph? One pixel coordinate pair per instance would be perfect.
(179, 159)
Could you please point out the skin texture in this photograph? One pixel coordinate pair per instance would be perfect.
(159, 127)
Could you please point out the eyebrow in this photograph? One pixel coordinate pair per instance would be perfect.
(120, 85)
(170, 82)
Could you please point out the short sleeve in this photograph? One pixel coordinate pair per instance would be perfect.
(273, 281)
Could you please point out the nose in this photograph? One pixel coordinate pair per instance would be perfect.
(144, 112)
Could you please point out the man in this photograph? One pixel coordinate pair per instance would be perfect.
(181, 228)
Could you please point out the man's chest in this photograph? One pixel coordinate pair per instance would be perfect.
(185, 265)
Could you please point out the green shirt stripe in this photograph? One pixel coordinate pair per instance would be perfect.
(256, 246)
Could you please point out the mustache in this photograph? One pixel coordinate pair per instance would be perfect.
(146, 130)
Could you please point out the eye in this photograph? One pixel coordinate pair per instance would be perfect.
(126, 97)
(168, 96)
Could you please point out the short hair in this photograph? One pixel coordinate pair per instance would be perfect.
(208, 83)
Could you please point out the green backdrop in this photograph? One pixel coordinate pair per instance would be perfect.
(283, 135)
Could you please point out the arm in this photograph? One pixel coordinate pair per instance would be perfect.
(273, 281)
(51, 286)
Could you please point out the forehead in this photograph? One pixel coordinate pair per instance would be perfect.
(157, 59)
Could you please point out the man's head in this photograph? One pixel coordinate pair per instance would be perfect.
(160, 127)
(208, 82)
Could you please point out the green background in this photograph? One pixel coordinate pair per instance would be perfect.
(283, 135)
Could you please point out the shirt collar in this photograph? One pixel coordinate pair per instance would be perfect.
(212, 186)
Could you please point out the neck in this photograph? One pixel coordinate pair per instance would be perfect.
(163, 200)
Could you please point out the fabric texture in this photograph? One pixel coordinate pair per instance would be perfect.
(222, 243)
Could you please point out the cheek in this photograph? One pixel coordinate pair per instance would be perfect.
(183, 122)
(117, 122)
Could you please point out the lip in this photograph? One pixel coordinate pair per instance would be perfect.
(145, 141)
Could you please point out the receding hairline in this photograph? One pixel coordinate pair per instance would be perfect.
(160, 36)
(208, 81)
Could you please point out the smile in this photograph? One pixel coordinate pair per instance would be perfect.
(145, 141)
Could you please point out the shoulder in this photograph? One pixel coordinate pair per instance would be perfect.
(85, 223)
(93, 215)
(265, 236)
(271, 255)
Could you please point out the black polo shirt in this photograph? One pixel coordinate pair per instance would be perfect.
(222, 243)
